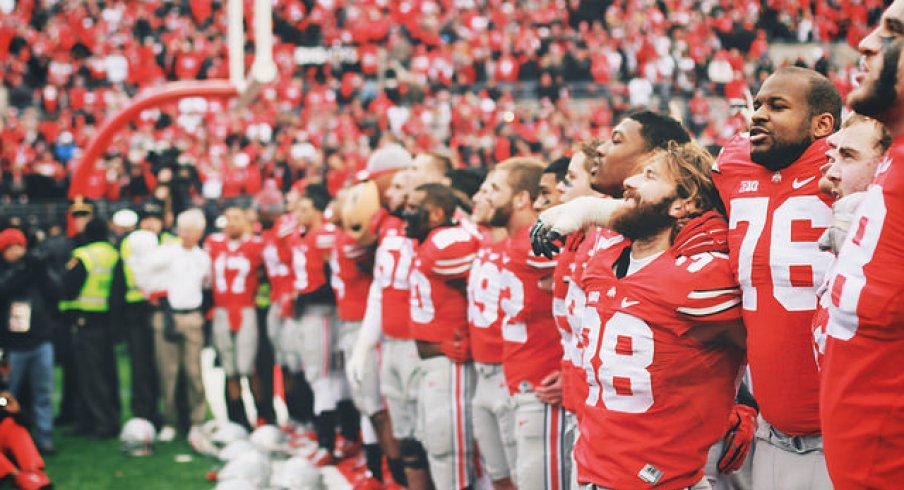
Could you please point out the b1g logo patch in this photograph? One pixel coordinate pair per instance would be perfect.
(650, 474)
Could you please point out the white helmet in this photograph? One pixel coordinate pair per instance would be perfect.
(209, 439)
(251, 466)
(234, 485)
(235, 449)
(269, 439)
(296, 474)
(137, 437)
(225, 432)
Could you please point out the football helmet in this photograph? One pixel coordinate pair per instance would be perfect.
(137, 437)
(250, 466)
(296, 474)
(269, 439)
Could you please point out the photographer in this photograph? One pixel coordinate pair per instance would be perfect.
(29, 290)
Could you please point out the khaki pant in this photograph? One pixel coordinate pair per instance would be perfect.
(494, 421)
(782, 462)
(540, 445)
(184, 354)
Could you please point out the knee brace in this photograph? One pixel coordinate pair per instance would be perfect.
(414, 456)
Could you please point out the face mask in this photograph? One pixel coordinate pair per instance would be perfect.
(416, 224)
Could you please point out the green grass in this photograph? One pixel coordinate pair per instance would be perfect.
(84, 463)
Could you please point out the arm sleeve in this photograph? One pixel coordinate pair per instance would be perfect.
(372, 325)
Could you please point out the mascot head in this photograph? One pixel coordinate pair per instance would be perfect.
(366, 198)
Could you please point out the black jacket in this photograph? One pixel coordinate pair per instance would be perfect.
(32, 282)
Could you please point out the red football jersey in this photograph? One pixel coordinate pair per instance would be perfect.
(350, 266)
(562, 278)
(307, 254)
(531, 345)
(278, 272)
(439, 309)
(235, 272)
(575, 300)
(392, 266)
(658, 398)
(775, 221)
(862, 381)
(484, 316)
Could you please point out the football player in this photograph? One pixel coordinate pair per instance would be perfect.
(665, 344)
(862, 380)
(386, 322)
(492, 406)
(236, 256)
(854, 153)
(531, 350)
(307, 340)
(549, 195)
(276, 224)
(769, 181)
(439, 324)
(568, 301)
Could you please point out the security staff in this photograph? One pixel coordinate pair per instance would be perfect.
(87, 283)
(137, 312)
(59, 248)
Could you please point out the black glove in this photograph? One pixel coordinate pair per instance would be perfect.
(544, 241)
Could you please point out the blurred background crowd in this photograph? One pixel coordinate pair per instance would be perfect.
(487, 79)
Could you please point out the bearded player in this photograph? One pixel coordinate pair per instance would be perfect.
(862, 379)
(531, 350)
(634, 140)
(768, 180)
(666, 341)
(439, 324)
(236, 256)
(492, 406)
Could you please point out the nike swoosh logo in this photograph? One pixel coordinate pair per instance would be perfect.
(625, 303)
(797, 184)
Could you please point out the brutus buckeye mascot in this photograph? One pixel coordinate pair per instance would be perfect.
(362, 263)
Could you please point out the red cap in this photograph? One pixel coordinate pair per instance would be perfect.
(10, 237)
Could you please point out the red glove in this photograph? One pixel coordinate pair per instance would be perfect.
(738, 439)
(457, 349)
(549, 390)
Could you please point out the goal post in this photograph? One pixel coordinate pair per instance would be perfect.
(263, 71)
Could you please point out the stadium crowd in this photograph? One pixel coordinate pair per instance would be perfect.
(588, 302)
(431, 73)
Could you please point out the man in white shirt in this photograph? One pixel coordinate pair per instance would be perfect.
(187, 274)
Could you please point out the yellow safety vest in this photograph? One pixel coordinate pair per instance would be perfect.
(263, 295)
(133, 294)
(99, 258)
